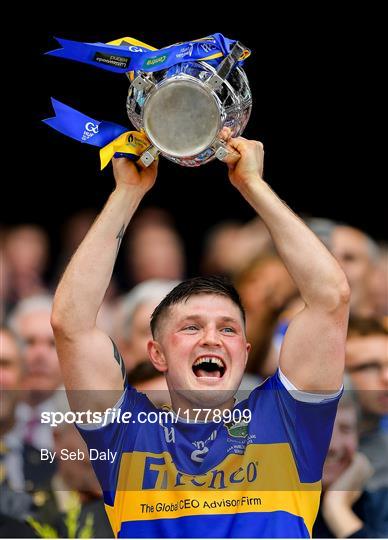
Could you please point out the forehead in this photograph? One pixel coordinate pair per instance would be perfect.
(348, 239)
(35, 323)
(359, 348)
(207, 307)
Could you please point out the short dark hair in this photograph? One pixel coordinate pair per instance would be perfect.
(364, 327)
(219, 285)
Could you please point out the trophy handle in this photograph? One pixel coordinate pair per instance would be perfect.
(149, 156)
(221, 151)
(228, 63)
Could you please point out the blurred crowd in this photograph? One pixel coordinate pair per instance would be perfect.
(63, 498)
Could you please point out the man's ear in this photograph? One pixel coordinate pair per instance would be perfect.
(156, 355)
(249, 346)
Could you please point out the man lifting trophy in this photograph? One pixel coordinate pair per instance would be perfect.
(261, 474)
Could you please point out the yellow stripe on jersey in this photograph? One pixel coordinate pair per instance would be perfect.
(264, 479)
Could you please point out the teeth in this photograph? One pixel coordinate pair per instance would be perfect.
(210, 360)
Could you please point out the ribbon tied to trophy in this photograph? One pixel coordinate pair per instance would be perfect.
(179, 99)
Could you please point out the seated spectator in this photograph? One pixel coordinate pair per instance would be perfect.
(231, 246)
(265, 288)
(379, 285)
(23, 477)
(42, 376)
(154, 249)
(367, 367)
(26, 253)
(133, 314)
(75, 508)
(73, 232)
(359, 255)
(347, 509)
(148, 380)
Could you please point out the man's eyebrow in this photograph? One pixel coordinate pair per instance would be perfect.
(365, 363)
(197, 317)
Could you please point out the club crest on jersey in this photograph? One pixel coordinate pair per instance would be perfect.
(237, 429)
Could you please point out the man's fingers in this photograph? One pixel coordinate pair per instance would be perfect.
(225, 134)
(232, 157)
(241, 144)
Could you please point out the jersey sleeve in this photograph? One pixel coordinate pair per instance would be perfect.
(116, 435)
(306, 425)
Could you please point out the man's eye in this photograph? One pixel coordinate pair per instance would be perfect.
(228, 330)
(191, 327)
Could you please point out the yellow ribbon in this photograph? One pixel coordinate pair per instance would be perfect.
(133, 143)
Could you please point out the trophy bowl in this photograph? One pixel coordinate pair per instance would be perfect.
(183, 109)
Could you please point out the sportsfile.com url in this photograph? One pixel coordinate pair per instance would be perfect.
(101, 419)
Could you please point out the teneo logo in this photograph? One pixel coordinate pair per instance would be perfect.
(112, 60)
(90, 130)
(155, 60)
(239, 429)
(158, 474)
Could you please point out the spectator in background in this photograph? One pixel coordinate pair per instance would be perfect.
(359, 257)
(367, 366)
(154, 249)
(365, 267)
(133, 332)
(30, 321)
(146, 379)
(5, 294)
(265, 288)
(231, 246)
(23, 477)
(11, 447)
(75, 494)
(73, 232)
(380, 285)
(347, 509)
(133, 314)
(26, 251)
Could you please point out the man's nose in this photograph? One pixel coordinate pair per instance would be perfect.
(210, 337)
(38, 353)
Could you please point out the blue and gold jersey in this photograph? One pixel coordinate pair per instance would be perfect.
(180, 479)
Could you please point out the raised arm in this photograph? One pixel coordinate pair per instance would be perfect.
(312, 356)
(88, 358)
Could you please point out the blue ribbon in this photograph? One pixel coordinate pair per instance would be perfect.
(126, 57)
(82, 128)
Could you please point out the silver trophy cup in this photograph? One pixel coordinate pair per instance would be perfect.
(183, 109)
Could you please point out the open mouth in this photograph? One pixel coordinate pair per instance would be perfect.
(209, 366)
